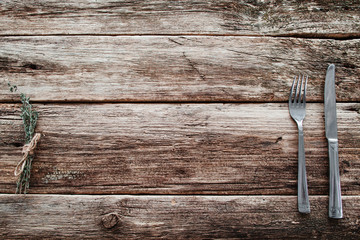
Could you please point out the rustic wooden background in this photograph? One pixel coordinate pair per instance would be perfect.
(168, 119)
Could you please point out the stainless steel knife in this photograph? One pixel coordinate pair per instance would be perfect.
(335, 204)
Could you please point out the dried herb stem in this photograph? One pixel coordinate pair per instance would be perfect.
(29, 117)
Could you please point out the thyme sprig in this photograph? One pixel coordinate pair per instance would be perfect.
(29, 117)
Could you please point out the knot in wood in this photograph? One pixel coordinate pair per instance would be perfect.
(110, 220)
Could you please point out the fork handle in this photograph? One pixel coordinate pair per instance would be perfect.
(335, 204)
(303, 195)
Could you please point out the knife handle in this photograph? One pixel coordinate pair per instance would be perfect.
(335, 204)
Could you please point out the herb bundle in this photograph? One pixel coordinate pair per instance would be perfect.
(29, 117)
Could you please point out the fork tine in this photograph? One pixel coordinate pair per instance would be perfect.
(292, 90)
(304, 98)
(296, 91)
(300, 92)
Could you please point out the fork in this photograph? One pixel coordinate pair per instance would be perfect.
(297, 106)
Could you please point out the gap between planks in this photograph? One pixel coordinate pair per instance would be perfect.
(341, 37)
(79, 102)
(174, 195)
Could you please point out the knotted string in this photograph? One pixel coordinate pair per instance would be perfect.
(28, 150)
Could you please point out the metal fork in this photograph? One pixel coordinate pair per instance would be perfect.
(297, 106)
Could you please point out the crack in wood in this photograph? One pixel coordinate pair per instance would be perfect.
(172, 40)
(192, 65)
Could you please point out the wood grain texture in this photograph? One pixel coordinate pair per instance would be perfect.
(121, 88)
(173, 217)
(178, 149)
(248, 69)
(339, 18)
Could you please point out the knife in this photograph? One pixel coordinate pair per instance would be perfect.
(335, 204)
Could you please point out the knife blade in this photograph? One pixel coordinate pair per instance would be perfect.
(335, 203)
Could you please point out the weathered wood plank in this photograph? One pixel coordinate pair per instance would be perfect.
(173, 217)
(147, 68)
(178, 149)
(339, 18)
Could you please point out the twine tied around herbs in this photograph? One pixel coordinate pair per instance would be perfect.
(28, 150)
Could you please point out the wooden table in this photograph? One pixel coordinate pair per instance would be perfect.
(169, 119)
